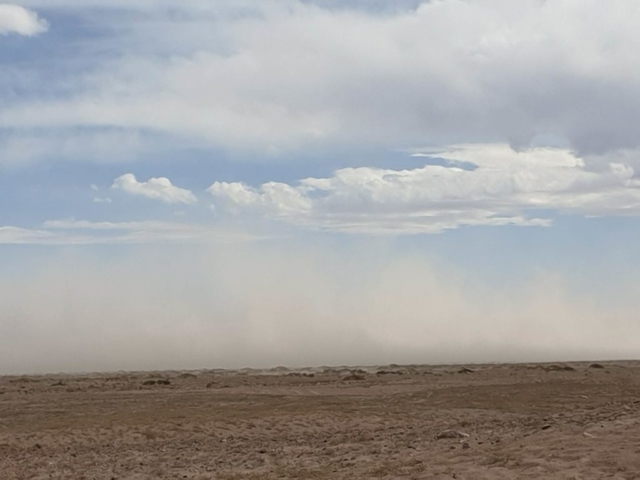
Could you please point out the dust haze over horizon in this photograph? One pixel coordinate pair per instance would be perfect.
(215, 184)
(264, 305)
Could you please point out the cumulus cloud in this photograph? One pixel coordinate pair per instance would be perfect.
(19, 20)
(499, 186)
(444, 72)
(155, 188)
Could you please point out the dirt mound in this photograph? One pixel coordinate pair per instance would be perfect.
(559, 368)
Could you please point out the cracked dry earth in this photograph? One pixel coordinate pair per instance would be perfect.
(576, 421)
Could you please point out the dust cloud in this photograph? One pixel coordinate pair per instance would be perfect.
(263, 305)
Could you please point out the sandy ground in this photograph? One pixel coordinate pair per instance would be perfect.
(574, 421)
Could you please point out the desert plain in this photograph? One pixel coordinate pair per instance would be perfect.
(577, 420)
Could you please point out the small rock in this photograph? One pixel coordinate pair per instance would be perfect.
(457, 434)
(545, 427)
(389, 372)
(559, 368)
(465, 445)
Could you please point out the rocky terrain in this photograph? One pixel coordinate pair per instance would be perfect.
(529, 421)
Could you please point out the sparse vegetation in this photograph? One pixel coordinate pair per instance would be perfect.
(529, 421)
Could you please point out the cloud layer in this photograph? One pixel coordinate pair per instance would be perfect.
(83, 232)
(477, 185)
(278, 77)
(19, 20)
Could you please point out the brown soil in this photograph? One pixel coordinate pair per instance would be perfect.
(414, 422)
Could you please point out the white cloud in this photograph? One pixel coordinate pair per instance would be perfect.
(155, 188)
(141, 232)
(446, 72)
(502, 188)
(199, 6)
(10, 235)
(17, 19)
(83, 232)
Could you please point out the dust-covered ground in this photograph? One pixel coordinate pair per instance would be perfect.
(570, 421)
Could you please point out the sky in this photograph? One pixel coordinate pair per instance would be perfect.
(215, 183)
